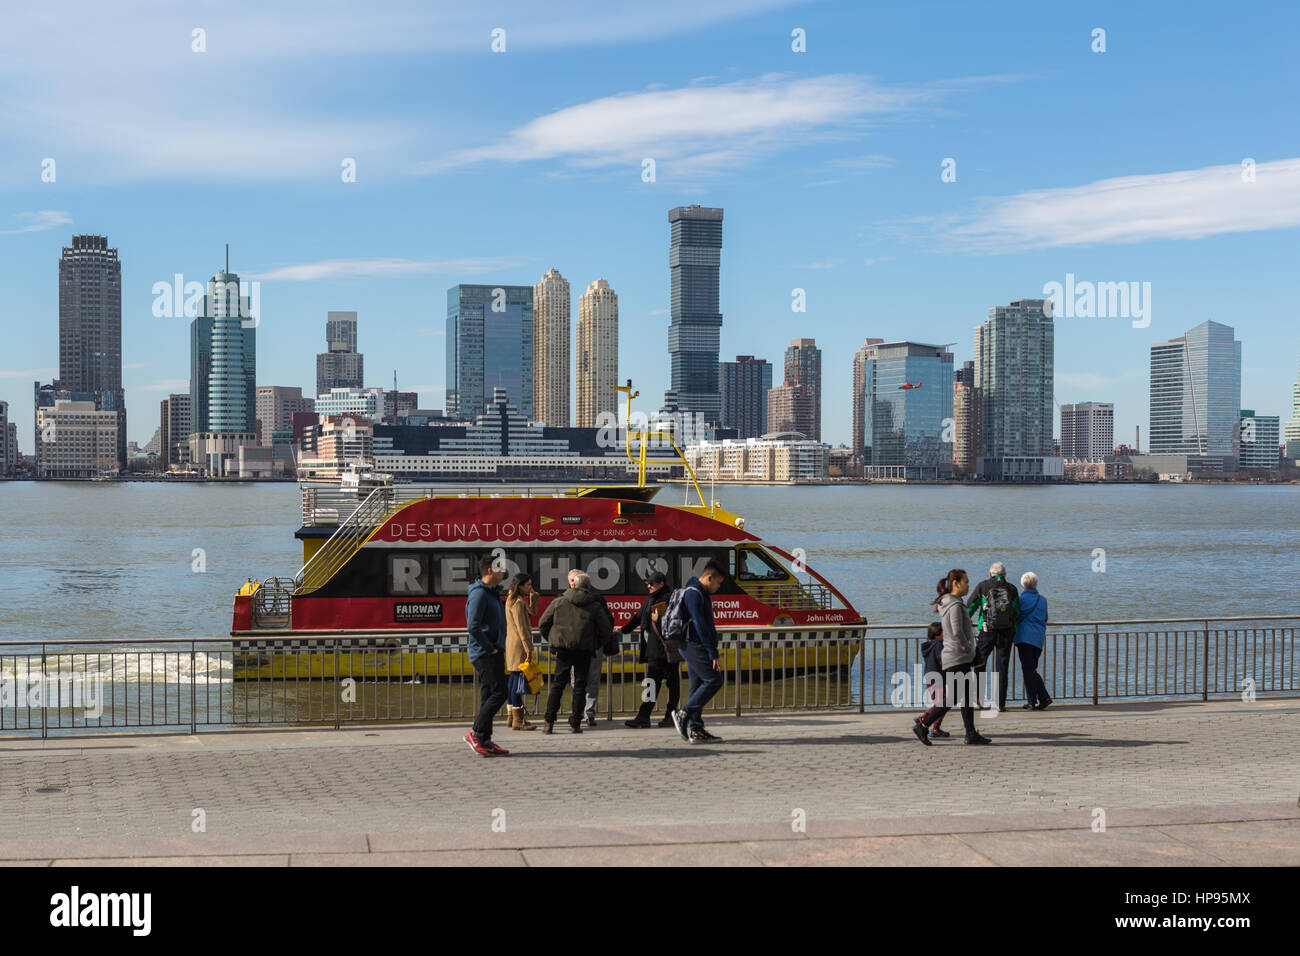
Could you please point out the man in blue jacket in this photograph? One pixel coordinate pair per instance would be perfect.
(485, 618)
(701, 653)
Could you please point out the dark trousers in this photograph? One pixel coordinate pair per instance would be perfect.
(662, 673)
(999, 641)
(1035, 689)
(491, 672)
(963, 696)
(705, 682)
(567, 660)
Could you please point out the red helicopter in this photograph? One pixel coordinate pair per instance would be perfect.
(909, 385)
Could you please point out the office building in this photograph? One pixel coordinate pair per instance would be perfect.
(597, 354)
(489, 345)
(774, 459)
(803, 368)
(859, 398)
(694, 261)
(341, 365)
(365, 403)
(1014, 355)
(90, 328)
(1260, 436)
(75, 440)
(745, 384)
(398, 405)
(1293, 426)
(790, 411)
(1196, 393)
(907, 410)
(175, 427)
(551, 302)
(8, 443)
(276, 405)
(223, 376)
(967, 412)
(1088, 430)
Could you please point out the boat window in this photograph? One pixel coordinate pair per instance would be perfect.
(755, 565)
(408, 573)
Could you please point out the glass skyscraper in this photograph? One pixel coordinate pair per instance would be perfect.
(1196, 393)
(1014, 373)
(694, 259)
(904, 428)
(223, 361)
(489, 344)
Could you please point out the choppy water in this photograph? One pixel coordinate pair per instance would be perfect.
(133, 560)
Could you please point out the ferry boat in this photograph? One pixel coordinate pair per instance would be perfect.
(388, 577)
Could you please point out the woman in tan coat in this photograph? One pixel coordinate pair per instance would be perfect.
(521, 607)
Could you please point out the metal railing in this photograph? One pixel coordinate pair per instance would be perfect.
(799, 596)
(191, 684)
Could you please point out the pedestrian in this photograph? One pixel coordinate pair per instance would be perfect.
(995, 605)
(575, 625)
(597, 659)
(689, 619)
(521, 608)
(1031, 634)
(485, 619)
(958, 653)
(663, 665)
(932, 655)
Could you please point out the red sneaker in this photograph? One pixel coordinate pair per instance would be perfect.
(500, 751)
(483, 750)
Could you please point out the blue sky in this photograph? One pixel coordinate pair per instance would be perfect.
(475, 166)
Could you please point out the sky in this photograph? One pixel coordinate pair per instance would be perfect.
(910, 167)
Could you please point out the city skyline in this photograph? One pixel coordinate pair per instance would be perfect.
(832, 181)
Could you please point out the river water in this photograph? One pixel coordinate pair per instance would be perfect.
(132, 560)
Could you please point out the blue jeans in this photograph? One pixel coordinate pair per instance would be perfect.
(705, 682)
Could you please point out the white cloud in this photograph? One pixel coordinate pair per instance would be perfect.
(1188, 204)
(39, 221)
(166, 385)
(698, 129)
(386, 268)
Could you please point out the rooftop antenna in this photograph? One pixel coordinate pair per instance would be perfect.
(227, 257)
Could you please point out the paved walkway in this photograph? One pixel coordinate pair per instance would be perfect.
(1207, 784)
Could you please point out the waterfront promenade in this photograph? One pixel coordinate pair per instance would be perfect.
(1180, 783)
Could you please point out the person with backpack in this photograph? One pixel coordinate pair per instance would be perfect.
(485, 619)
(597, 658)
(689, 622)
(574, 625)
(996, 606)
(663, 664)
(1031, 634)
(932, 656)
(958, 653)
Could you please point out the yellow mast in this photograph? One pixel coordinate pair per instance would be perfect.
(644, 436)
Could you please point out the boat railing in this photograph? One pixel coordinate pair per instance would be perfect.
(272, 604)
(324, 505)
(795, 597)
(345, 541)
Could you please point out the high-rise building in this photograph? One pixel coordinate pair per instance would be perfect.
(1260, 439)
(1196, 393)
(859, 398)
(1014, 355)
(694, 260)
(341, 366)
(1088, 430)
(275, 407)
(74, 440)
(90, 327)
(597, 353)
(1293, 426)
(175, 425)
(907, 410)
(8, 442)
(489, 344)
(398, 405)
(803, 367)
(789, 410)
(551, 303)
(967, 415)
(745, 384)
(223, 375)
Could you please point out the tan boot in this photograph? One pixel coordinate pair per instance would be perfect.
(521, 720)
(510, 718)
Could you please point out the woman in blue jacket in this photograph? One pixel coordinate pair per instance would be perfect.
(1031, 632)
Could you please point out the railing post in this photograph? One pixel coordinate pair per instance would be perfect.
(193, 717)
(44, 702)
(1096, 652)
(1205, 662)
(736, 679)
(336, 683)
(862, 672)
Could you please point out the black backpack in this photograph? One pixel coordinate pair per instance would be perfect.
(997, 615)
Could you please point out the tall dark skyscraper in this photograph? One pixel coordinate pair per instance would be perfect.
(745, 383)
(694, 258)
(489, 344)
(90, 327)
